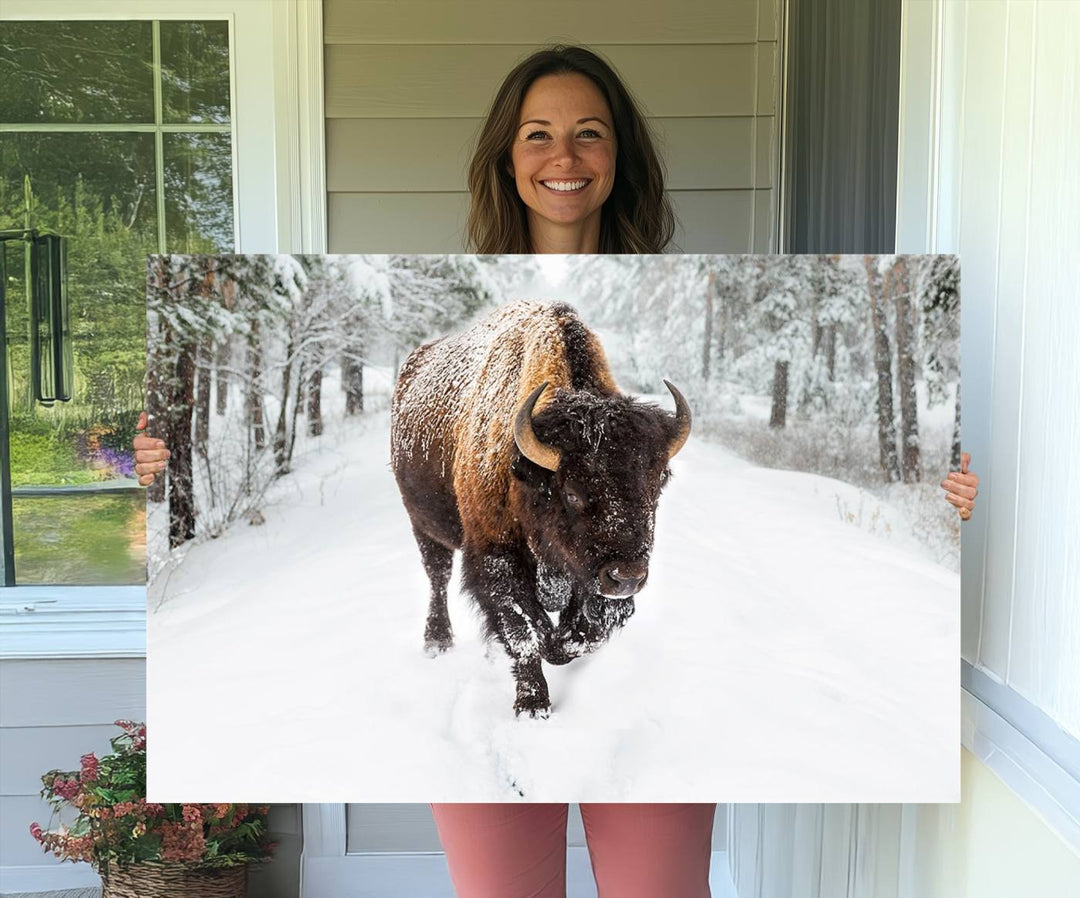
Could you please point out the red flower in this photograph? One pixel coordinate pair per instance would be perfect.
(181, 842)
(192, 814)
(89, 768)
(65, 788)
(36, 832)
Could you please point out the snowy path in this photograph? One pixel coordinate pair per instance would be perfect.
(778, 654)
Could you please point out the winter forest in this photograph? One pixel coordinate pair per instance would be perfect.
(844, 366)
(802, 612)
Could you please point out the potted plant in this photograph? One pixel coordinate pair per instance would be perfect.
(143, 849)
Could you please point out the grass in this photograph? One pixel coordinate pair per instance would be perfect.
(81, 540)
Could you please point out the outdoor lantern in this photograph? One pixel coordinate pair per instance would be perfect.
(51, 360)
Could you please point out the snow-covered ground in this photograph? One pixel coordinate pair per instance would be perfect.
(778, 653)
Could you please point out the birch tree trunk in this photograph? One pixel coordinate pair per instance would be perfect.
(281, 464)
(314, 403)
(221, 375)
(255, 417)
(955, 455)
(706, 354)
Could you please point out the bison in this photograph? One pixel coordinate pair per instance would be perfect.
(511, 442)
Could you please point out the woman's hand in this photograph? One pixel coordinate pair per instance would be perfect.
(150, 454)
(961, 488)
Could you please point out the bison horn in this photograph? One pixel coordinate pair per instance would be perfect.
(527, 441)
(682, 421)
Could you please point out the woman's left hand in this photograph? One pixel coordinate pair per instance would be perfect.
(150, 454)
(961, 488)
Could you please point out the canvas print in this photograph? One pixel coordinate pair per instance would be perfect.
(554, 528)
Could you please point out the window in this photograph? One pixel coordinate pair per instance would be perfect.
(117, 135)
(276, 127)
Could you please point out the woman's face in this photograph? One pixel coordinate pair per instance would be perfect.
(563, 154)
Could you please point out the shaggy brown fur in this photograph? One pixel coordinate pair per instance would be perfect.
(456, 398)
(577, 539)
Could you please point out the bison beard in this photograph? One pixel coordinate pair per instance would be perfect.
(550, 492)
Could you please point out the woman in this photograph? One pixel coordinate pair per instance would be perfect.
(565, 164)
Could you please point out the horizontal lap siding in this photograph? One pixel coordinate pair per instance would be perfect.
(51, 713)
(525, 22)
(433, 222)
(379, 155)
(51, 693)
(408, 84)
(28, 752)
(460, 80)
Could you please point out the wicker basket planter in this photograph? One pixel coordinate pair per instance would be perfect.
(149, 880)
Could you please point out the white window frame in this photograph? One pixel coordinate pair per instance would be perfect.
(279, 203)
(1011, 735)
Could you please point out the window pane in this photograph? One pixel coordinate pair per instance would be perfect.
(82, 184)
(195, 71)
(98, 191)
(76, 72)
(81, 540)
(198, 193)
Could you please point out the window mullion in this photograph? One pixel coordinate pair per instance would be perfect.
(159, 137)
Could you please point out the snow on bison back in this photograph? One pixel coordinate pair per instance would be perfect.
(511, 442)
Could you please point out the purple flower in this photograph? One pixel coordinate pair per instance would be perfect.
(120, 462)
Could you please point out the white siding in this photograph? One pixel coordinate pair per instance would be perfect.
(408, 83)
(51, 713)
(1010, 206)
(990, 143)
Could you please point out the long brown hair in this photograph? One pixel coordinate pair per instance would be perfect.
(636, 218)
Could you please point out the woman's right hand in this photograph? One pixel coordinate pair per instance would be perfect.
(150, 454)
(961, 487)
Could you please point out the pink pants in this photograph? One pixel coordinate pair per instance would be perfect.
(519, 851)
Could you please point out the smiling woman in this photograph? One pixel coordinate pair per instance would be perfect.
(565, 163)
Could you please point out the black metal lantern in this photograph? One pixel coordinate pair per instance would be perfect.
(51, 362)
(51, 356)
(51, 359)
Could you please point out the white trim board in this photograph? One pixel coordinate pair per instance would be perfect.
(298, 45)
(73, 622)
(1048, 788)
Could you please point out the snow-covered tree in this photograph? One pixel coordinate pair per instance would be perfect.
(936, 284)
(900, 288)
(877, 272)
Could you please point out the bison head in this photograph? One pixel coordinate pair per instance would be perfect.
(591, 469)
